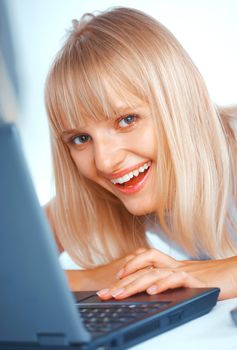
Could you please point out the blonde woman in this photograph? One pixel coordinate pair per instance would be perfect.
(137, 142)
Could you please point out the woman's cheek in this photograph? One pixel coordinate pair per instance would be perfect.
(84, 164)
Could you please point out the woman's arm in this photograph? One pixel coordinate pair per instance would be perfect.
(97, 278)
(152, 271)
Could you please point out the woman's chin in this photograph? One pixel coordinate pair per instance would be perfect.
(139, 210)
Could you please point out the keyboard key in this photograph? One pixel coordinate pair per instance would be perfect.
(101, 318)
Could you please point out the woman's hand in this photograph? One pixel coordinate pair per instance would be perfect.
(96, 278)
(154, 272)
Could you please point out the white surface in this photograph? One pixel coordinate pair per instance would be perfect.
(214, 331)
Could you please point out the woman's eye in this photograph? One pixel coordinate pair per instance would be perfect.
(81, 139)
(126, 121)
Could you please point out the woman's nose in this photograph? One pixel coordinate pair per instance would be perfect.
(108, 155)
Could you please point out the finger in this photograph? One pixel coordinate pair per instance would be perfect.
(140, 251)
(176, 280)
(105, 294)
(134, 254)
(139, 284)
(151, 257)
(129, 257)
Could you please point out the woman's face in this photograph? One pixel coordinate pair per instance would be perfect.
(119, 154)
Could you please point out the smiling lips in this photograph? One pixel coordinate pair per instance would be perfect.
(134, 180)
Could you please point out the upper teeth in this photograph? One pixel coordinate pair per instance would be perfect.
(127, 177)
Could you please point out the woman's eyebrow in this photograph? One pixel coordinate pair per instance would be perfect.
(67, 133)
(121, 110)
(128, 108)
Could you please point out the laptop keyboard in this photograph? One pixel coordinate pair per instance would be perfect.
(100, 319)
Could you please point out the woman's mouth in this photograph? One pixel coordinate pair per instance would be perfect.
(134, 180)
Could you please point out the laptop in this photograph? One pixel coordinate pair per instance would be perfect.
(234, 315)
(37, 310)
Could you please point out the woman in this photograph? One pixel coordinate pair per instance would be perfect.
(136, 140)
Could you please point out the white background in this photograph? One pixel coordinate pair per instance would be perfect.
(206, 28)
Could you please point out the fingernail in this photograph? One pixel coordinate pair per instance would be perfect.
(152, 290)
(117, 292)
(120, 273)
(102, 292)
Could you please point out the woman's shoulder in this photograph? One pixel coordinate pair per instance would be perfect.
(49, 211)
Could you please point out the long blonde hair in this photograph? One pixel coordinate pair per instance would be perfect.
(134, 55)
